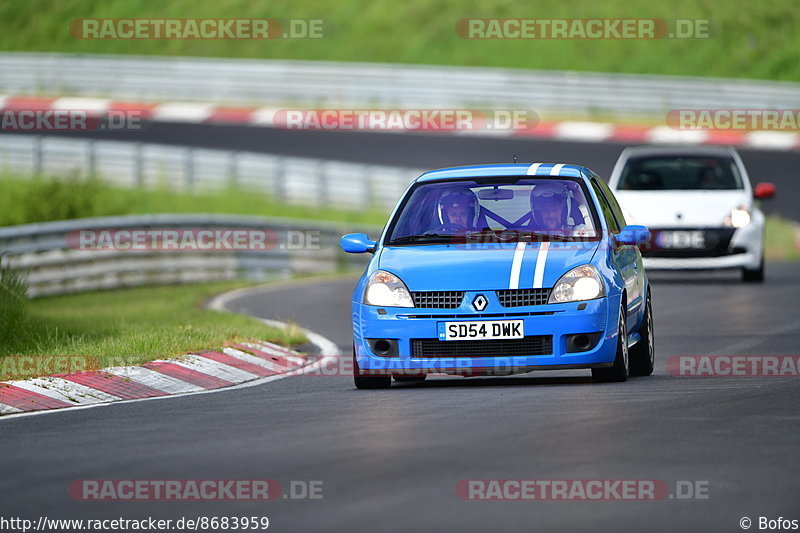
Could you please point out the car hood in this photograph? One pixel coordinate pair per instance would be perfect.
(487, 267)
(680, 208)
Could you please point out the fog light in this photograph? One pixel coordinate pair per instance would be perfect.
(582, 342)
(383, 347)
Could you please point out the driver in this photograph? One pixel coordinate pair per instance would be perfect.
(457, 210)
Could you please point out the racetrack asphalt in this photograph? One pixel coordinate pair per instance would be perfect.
(390, 459)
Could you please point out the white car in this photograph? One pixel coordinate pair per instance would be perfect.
(697, 203)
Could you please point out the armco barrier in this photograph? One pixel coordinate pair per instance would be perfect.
(292, 180)
(320, 83)
(53, 264)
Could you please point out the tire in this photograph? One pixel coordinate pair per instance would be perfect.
(754, 276)
(410, 378)
(643, 354)
(366, 381)
(621, 369)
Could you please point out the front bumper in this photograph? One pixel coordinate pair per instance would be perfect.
(556, 320)
(742, 249)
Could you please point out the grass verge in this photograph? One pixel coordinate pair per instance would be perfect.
(128, 326)
(748, 39)
(43, 199)
(782, 242)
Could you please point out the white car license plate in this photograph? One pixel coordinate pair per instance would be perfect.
(691, 240)
(483, 330)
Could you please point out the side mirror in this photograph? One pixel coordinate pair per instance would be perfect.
(357, 243)
(764, 190)
(634, 235)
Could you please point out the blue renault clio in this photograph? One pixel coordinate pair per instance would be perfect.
(499, 270)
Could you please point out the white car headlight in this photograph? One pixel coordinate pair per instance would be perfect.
(387, 290)
(580, 283)
(739, 217)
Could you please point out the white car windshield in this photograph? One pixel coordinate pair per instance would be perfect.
(680, 173)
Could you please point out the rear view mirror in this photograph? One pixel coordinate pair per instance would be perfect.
(496, 194)
(764, 190)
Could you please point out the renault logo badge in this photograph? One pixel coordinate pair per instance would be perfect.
(480, 302)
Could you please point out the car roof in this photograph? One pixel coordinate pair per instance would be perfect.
(507, 169)
(678, 151)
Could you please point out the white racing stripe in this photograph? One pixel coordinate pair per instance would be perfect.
(8, 409)
(213, 368)
(63, 390)
(252, 359)
(153, 379)
(277, 351)
(182, 112)
(264, 116)
(90, 105)
(516, 265)
(585, 131)
(541, 260)
(556, 170)
(533, 168)
(772, 139)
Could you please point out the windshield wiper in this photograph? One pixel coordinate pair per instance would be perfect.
(423, 238)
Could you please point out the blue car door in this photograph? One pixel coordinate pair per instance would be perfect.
(626, 259)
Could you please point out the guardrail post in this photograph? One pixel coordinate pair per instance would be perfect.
(233, 169)
(91, 159)
(38, 155)
(369, 193)
(280, 179)
(322, 185)
(189, 168)
(138, 165)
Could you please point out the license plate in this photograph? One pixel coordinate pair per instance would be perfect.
(483, 330)
(684, 240)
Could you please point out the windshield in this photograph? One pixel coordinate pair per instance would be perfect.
(516, 210)
(681, 173)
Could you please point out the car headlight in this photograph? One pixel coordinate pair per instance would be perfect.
(580, 283)
(739, 218)
(387, 290)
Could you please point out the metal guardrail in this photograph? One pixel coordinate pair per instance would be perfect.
(290, 180)
(53, 265)
(316, 83)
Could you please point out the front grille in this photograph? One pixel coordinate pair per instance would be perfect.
(520, 297)
(438, 299)
(533, 345)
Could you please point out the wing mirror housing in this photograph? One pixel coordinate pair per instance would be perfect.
(764, 190)
(634, 235)
(357, 243)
